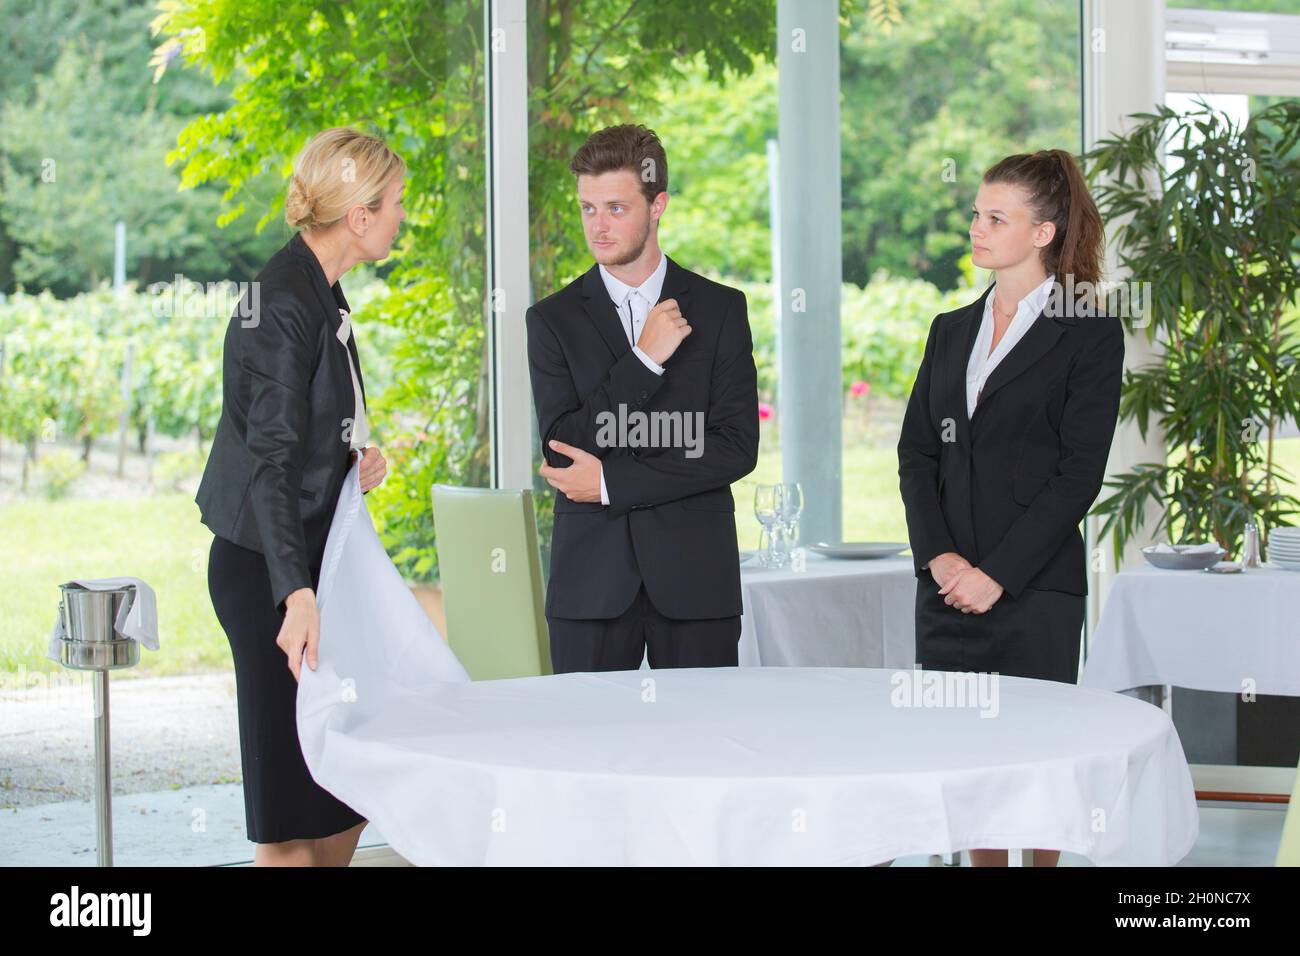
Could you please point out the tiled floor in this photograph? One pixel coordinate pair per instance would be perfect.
(1231, 835)
(204, 826)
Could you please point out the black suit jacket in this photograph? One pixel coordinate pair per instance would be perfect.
(670, 521)
(1009, 486)
(281, 449)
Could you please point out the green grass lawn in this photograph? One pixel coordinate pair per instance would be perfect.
(872, 510)
(161, 540)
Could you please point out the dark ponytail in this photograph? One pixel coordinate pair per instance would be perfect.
(1058, 193)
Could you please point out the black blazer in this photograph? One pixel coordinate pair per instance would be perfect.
(670, 519)
(281, 449)
(1007, 488)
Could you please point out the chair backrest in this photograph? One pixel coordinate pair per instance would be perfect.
(1288, 853)
(491, 574)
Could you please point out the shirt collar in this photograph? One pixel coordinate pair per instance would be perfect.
(1033, 303)
(650, 289)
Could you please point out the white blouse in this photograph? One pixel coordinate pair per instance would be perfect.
(360, 426)
(982, 364)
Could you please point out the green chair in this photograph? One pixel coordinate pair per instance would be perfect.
(1288, 853)
(492, 588)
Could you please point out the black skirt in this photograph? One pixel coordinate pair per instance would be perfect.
(1034, 635)
(281, 800)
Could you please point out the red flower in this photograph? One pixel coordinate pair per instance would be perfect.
(764, 411)
(859, 388)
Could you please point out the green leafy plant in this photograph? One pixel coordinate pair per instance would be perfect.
(62, 363)
(1217, 244)
(57, 471)
(172, 469)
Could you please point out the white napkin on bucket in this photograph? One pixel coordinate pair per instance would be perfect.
(139, 622)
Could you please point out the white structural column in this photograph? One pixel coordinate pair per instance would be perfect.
(810, 403)
(506, 77)
(1123, 74)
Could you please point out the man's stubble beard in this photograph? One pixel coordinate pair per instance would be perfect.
(635, 253)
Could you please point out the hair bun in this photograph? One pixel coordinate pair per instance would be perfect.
(299, 204)
(317, 197)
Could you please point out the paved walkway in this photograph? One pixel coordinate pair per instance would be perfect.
(177, 796)
(192, 826)
(167, 733)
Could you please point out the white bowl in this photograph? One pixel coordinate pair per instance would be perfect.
(1181, 560)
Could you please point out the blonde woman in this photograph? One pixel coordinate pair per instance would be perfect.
(293, 419)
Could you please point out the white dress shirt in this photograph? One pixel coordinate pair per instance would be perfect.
(360, 426)
(982, 363)
(634, 305)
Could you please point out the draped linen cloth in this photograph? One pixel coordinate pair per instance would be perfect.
(710, 766)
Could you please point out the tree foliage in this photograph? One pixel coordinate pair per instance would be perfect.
(83, 135)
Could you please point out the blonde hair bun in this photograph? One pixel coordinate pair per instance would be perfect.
(298, 206)
(339, 168)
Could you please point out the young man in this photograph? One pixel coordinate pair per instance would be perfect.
(647, 402)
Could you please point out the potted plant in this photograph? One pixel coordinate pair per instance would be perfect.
(1217, 248)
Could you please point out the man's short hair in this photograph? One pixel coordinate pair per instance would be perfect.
(634, 148)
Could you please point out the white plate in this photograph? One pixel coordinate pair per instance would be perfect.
(859, 550)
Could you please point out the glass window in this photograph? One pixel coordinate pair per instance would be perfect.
(931, 99)
(109, 396)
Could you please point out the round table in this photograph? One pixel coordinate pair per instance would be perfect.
(747, 766)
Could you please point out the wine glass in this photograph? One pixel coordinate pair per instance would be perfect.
(791, 509)
(767, 509)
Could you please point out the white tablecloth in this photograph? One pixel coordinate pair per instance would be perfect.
(835, 613)
(1221, 632)
(711, 765)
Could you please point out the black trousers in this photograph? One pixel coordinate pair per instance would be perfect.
(1035, 635)
(281, 800)
(620, 643)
